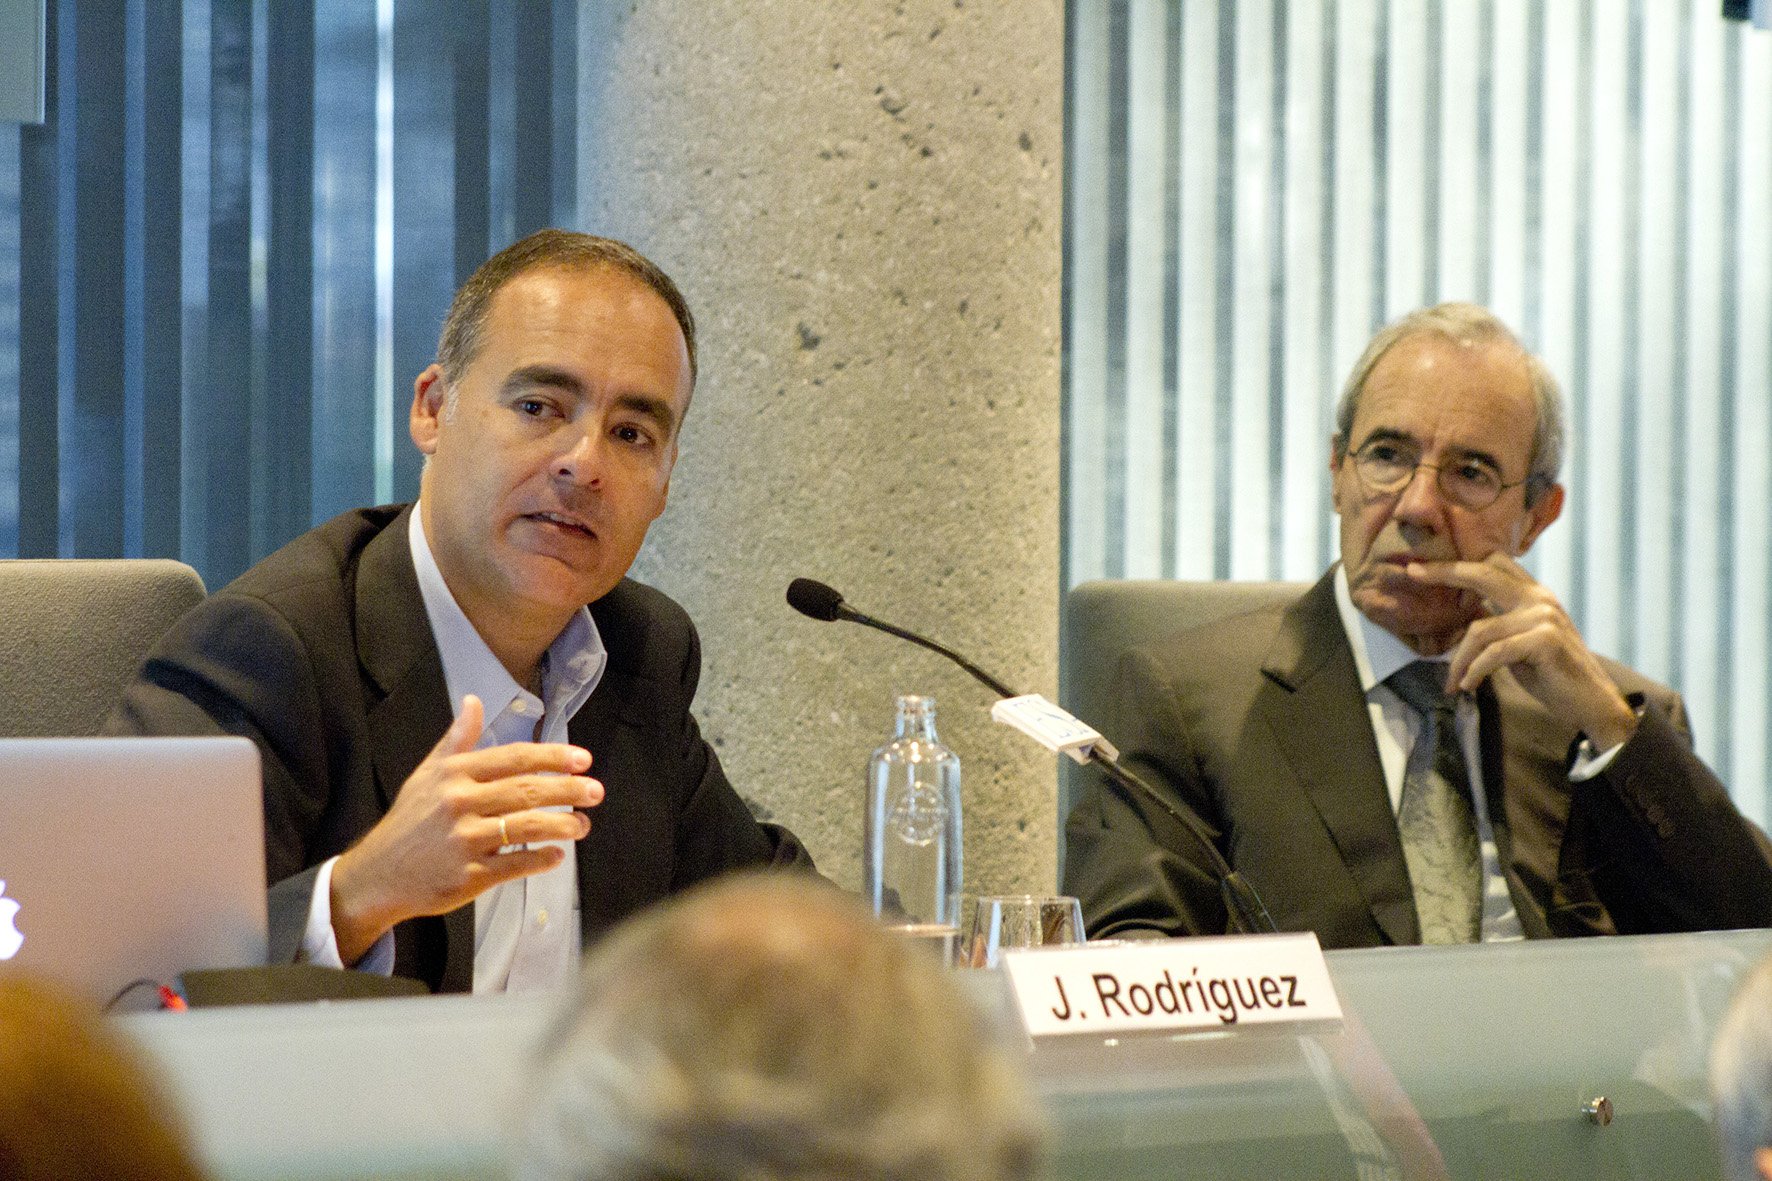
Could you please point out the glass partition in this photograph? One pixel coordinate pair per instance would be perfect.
(1459, 1062)
(1468, 1062)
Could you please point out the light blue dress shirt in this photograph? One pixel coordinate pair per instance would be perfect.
(526, 932)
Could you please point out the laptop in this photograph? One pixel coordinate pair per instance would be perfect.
(127, 859)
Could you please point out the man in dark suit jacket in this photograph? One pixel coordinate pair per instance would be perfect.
(392, 803)
(1278, 732)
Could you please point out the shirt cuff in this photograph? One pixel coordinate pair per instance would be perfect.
(319, 944)
(1588, 762)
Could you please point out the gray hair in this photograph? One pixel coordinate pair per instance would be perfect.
(1741, 1075)
(1466, 323)
(767, 1028)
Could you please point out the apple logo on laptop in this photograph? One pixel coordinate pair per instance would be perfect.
(11, 938)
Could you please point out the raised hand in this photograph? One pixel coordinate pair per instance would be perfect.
(447, 837)
(1525, 629)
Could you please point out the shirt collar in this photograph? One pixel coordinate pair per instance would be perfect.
(572, 667)
(1377, 653)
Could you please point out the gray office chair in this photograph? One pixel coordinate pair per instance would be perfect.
(74, 631)
(1102, 620)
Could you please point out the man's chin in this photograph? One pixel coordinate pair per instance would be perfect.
(1427, 613)
(547, 580)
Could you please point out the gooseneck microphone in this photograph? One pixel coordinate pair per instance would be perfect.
(810, 597)
(1244, 906)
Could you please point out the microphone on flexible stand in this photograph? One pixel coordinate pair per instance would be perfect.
(819, 601)
(1247, 912)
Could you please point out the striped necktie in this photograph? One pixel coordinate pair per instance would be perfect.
(1435, 819)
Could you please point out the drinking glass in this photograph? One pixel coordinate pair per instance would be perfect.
(1003, 922)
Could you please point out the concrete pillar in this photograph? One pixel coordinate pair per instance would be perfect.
(862, 203)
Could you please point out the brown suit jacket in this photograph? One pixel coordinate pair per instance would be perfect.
(1258, 726)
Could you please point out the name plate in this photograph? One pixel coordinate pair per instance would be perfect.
(1173, 985)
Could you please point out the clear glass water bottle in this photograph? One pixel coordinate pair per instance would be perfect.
(911, 862)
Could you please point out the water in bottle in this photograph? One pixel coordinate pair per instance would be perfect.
(911, 861)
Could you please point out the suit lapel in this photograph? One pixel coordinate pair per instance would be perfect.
(628, 858)
(408, 710)
(602, 897)
(1317, 713)
(408, 698)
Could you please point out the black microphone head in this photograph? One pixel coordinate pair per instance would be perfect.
(810, 597)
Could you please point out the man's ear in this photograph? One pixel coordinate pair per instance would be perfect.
(1547, 508)
(428, 391)
(1338, 458)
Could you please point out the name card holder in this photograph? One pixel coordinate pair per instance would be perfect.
(1274, 983)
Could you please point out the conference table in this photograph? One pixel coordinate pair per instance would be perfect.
(1568, 1059)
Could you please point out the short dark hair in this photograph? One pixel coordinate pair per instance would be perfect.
(568, 249)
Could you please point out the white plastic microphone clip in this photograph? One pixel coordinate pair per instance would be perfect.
(1052, 727)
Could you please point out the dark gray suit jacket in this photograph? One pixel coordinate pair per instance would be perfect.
(322, 654)
(1258, 726)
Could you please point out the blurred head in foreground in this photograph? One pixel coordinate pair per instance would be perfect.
(768, 1028)
(1741, 1079)
(76, 1104)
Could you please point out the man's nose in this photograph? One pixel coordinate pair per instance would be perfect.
(582, 460)
(1420, 500)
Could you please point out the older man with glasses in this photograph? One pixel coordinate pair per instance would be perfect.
(1421, 749)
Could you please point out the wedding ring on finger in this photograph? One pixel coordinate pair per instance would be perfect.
(504, 836)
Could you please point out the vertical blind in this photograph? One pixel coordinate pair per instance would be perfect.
(1256, 185)
(228, 250)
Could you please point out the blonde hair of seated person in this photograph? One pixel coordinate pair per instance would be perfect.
(767, 1028)
(76, 1102)
(1741, 1078)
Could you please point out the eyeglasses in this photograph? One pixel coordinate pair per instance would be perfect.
(1386, 467)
